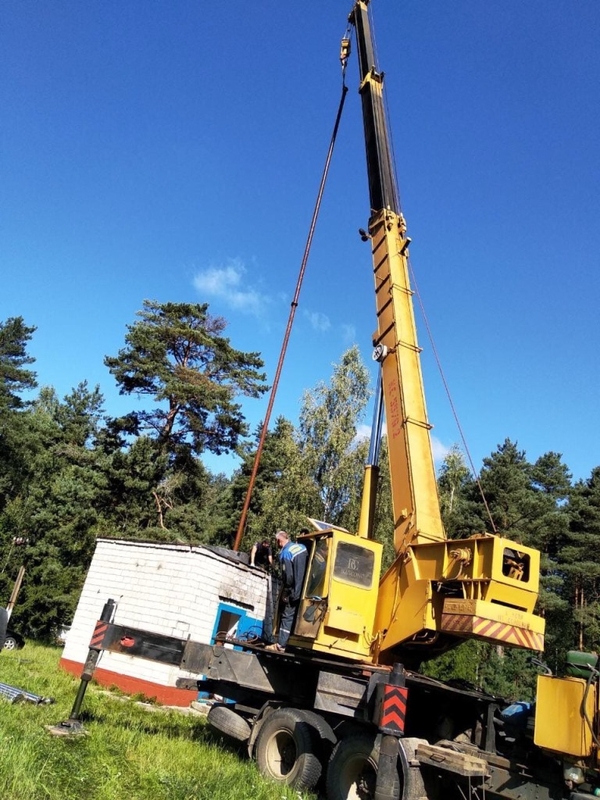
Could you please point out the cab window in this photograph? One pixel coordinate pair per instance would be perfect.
(315, 585)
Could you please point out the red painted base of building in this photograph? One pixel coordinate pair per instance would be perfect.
(167, 695)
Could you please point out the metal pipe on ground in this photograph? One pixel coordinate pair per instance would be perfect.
(16, 695)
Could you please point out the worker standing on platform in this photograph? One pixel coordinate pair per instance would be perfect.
(292, 560)
(261, 555)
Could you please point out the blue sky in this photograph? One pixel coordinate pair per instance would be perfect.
(173, 151)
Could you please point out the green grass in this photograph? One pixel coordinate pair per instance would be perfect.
(129, 752)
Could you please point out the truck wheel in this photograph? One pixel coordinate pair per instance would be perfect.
(285, 750)
(325, 737)
(352, 770)
(226, 721)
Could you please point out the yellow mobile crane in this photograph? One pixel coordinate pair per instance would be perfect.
(344, 702)
(436, 591)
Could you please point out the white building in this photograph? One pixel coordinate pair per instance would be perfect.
(170, 589)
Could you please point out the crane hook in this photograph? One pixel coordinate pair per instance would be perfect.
(345, 51)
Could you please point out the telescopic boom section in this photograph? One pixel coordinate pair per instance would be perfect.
(413, 482)
(436, 591)
(382, 185)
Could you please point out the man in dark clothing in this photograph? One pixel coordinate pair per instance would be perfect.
(292, 560)
(260, 555)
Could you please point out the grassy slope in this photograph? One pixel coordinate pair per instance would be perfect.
(130, 753)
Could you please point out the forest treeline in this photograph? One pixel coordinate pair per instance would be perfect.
(70, 473)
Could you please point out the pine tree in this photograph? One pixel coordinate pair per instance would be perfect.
(14, 377)
(578, 561)
(55, 508)
(175, 356)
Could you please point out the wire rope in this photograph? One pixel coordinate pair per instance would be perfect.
(293, 307)
(422, 307)
(449, 395)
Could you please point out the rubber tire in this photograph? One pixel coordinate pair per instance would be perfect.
(10, 643)
(352, 769)
(225, 720)
(326, 738)
(286, 750)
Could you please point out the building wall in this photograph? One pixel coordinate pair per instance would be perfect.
(169, 589)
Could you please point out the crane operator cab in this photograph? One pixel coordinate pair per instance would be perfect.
(483, 587)
(337, 608)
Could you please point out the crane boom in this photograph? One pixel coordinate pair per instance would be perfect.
(437, 591)
(382, 184)
(412, 472)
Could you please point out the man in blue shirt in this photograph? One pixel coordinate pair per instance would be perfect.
(292, 559)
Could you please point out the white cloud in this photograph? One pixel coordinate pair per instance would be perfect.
(440, 451)
(318, 321)
(348, 333)
(227, 283)
(362, 432)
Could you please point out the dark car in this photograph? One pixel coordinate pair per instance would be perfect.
(13, 641)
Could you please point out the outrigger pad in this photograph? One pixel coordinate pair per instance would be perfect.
(69, 727)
